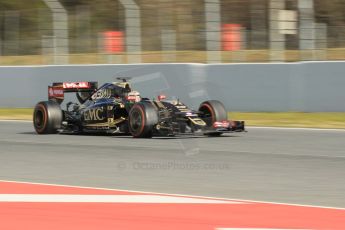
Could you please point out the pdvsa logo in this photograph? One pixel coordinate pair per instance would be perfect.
(55, 92)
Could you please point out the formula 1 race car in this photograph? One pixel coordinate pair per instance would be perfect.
(116, 108)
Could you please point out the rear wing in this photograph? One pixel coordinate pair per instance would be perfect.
(58, 89)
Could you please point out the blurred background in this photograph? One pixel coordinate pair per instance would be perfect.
(153, 31)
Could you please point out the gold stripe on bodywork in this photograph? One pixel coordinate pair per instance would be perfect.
(117, 121)
(97, 124)
(197, 121)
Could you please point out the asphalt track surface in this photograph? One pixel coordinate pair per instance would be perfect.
(280, 165)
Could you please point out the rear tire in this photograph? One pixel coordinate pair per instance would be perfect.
(47, 117)
(212, 111)
(142, 119)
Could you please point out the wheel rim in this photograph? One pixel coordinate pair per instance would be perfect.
(136, 121)
(207, 114)
(39, 119)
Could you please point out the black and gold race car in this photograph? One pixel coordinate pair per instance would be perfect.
(116, 108)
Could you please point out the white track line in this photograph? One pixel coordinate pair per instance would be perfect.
(151, 199)
(178, 195)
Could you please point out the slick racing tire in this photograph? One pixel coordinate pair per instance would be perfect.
(212, 111)
(142, 119)
(47, 117)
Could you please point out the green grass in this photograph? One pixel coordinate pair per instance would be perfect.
(284, 119)
(157, 57)
(292, 119)
(16, 114)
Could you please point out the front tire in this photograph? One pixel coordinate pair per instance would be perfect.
(47, 117)
(212, 111)
(142, 119)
